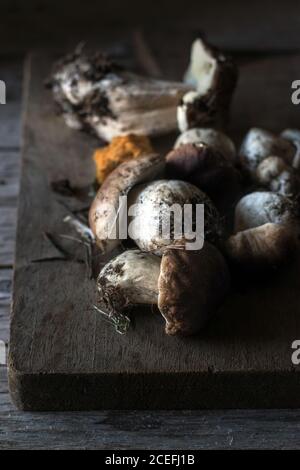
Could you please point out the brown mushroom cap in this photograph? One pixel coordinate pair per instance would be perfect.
(206, 168)
(261, 248)
(102, 219)
(192, 285)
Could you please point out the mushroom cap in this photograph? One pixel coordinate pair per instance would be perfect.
(259, 208)
(206, 168)
(192, 285)
(278, 176)
(261, 248)
(154, 227)
(212, 137)
(259, 144)
(270, 168)
(105, 210)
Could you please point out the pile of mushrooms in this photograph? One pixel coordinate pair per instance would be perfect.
(189, 286)
(250, 197)
(266, 222)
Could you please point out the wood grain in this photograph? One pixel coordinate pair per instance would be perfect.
(64, 356)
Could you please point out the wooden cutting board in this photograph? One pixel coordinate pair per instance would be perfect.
(64, 356)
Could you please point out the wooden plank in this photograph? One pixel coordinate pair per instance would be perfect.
(263, 26)
(62, 354)
(8, 216)
(120, 430)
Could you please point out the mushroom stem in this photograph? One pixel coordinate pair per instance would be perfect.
(96, 94)
(130, 279)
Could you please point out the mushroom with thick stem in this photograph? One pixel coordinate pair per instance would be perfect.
(168, 212)
(259, 208)
(206, 168)
(96, 94)
(187, 286)
(216, 139)
(259, 144)
(261, 248)
(214, 76)
(106, 211)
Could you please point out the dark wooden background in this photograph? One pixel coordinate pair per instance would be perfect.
(260, 31)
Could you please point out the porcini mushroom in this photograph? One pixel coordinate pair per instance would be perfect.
(259, 208)
(96, 94)
(261, 248)
(259, 144)
(105, 211)
(206, 168)
(214, 76)
(212, 137)
(165, 213)
(275, 174)
(187, 286)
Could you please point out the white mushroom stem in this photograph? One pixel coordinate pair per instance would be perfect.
(202, 68)
(95, 93)
(129, 279)
(213, 77)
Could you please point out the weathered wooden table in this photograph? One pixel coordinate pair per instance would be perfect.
(230, 429)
